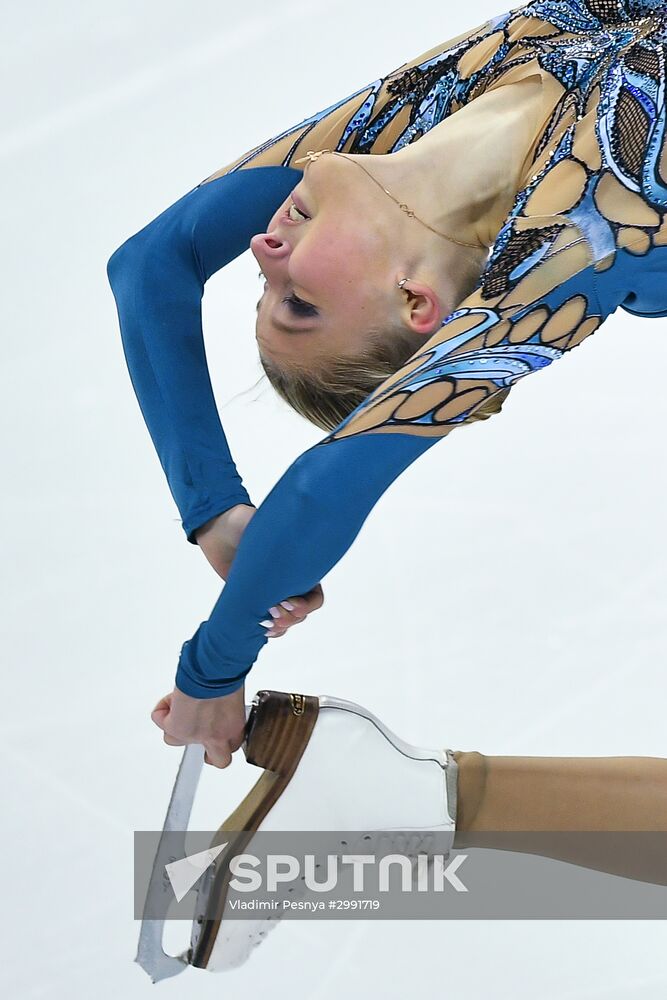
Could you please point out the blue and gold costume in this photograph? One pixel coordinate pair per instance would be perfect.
(587, 233)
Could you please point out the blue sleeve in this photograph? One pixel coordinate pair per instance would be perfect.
(314, 512)
(558, 267)
(466, 370)
(157, 277)
(300, 531)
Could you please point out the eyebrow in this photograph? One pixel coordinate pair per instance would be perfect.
(288, 329)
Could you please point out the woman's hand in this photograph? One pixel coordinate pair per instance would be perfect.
(292, 611)
(219, 539)
(217, 723)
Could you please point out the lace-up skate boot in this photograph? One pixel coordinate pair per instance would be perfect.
(328, 765)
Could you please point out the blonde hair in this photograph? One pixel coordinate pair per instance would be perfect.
(327, 395)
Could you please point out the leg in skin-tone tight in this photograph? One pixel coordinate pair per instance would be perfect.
(567, 794)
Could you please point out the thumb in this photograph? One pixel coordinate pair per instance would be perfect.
(161, 711)
(218, 754)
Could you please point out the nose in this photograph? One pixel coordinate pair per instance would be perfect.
(269, 246)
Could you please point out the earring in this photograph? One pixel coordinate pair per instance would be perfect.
(401, 283)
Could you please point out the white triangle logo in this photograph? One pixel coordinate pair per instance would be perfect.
(184, 873)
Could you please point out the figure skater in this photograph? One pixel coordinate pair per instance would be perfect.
(426, 242)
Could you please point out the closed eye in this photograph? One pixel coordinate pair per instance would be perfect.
(299, 307)
(296, 305)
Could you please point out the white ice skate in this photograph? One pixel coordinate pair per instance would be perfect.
(328, 765)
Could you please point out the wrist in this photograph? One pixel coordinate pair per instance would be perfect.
(203, 691)
(228, 518)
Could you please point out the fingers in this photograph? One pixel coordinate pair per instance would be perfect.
(170, 741)
(159, 717)
(217, 724)
(161, 711)
(292, 611)
(315, 597)
(218, 755)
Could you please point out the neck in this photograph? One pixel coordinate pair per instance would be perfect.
(462, 176)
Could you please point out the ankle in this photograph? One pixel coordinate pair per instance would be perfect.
(472, 775)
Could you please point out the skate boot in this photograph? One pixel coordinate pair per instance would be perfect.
(327, 765)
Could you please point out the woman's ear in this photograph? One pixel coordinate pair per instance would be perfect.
(421, 310)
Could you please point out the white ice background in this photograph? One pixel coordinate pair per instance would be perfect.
(507, 594)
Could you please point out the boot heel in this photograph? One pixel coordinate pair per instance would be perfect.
(278, 730)
(277, 733)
